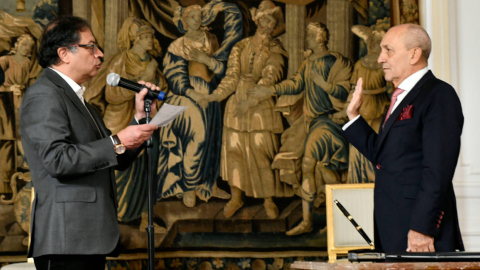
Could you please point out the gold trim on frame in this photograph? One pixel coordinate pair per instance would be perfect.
(331, 249)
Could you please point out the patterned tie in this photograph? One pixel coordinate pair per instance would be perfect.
(396, 93)
(80, 93)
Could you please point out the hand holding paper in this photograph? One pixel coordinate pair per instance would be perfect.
(166, 114)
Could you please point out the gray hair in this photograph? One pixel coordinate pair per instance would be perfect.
(416, 36)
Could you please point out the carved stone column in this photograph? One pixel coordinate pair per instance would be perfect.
(295, 36)
(116, 12)
(339, 23)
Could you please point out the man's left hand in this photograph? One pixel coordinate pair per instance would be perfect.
(419, 242)
(139, 101)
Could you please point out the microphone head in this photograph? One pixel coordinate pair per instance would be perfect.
(113, 79)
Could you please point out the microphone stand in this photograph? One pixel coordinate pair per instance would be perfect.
(151, 196)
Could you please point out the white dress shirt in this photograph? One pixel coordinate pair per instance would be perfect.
(406, 85)
(78, 89)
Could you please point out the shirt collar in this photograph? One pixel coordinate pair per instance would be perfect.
(413, 79)
(78, 89)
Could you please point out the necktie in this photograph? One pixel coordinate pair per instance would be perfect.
(396, 93)
(93, 120)
(80, 95)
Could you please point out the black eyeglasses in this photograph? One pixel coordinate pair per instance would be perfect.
(94, 47)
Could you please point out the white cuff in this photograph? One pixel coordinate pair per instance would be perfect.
(112, 140)
(350, 122)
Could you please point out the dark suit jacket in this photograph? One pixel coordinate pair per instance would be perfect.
(415, 160)
(72, 165)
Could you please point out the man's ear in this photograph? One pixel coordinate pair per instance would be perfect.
(64, 54)
(415, 55)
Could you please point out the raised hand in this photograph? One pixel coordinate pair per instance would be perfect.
(353, 109)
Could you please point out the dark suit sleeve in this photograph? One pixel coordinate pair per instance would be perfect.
(126, 159)
(45, 124)
(442, 128)
(363, 137)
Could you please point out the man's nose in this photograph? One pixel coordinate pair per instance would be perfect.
(98, 53)
(381, 58)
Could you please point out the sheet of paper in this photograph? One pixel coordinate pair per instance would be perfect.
(166, 114)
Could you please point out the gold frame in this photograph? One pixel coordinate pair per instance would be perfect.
(331, 249)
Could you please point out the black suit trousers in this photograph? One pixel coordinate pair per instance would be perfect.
(70, 262)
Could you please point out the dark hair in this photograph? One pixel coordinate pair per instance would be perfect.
(62, 31)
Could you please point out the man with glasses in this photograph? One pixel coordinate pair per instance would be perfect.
(92, 47)
(72, 155)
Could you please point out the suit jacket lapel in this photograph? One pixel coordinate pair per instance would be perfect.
(60, 82)
(406, 101)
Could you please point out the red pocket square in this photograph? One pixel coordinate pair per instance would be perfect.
(407, 113)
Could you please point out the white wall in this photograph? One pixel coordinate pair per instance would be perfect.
(454, 26)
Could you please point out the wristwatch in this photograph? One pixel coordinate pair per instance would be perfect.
(118, 145)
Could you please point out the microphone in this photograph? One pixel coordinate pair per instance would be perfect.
(113, 79)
